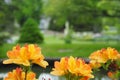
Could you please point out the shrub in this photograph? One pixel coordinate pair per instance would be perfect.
(30, 33)
(68, 36)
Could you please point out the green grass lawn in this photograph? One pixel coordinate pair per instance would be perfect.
(54, 50)
(79, 50)
(55, 47)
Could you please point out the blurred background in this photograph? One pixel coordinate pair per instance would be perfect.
(60, 27)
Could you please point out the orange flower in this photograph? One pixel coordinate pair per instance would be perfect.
(84, 78)
(108, 59)
(60, 67)
(18, 74)
(31, 76)
(72, 66)
(94, 64)
(111, 74)
(26, 55)
(102, 56)
(98, 56)
(112, 53)
(79, 67)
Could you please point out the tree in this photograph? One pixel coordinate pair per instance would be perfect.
(25, 9)
(6, 21)
(30, 33)
(27, 13)
(111, 9)
(83, 14)
(79, 13)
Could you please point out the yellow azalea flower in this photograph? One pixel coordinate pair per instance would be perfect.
(79, 67)
(72, 66)
(94, 64)
(112, 53)
(13, 55)
(60, 67)
(26, 55)
(103, 55)
(18, 74)
(31, 76)
(108, 59)
(98, 56)
(86, 71)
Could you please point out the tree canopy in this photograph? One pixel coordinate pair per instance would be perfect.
(88, 14)
(25, 9)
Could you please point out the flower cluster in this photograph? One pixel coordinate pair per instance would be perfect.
(24, 56)
(18, 74)
(108, 59)
(69, 67)
(72, 68)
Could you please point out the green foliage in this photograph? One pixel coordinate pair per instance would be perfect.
(105, 66)
(111, 10)
(82, 14)
(6, 21)
(30, 33)
(25, 9)
(68, 37)
(106, 28)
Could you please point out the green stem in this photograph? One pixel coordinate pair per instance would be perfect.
(26, 70)
(26, 74)
(72, 77)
